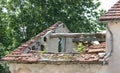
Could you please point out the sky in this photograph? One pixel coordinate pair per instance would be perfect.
(107, 4)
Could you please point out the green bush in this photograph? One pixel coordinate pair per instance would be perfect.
(4, 68)
(80, 47)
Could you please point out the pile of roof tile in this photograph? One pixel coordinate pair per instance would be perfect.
(94, 53)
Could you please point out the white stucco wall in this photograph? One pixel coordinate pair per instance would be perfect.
(114, 62)
(53, 68)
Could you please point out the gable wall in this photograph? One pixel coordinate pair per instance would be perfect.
(114, 62)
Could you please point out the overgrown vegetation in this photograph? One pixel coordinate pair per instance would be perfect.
(81, 47)
(22, 19)
(4, 68)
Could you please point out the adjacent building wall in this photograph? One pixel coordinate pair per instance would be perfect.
(53, 68)
(114, 62)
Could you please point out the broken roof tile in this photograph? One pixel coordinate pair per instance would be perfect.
(92, 53)
(96, 50)
(8, 58)
(32, 57)
(19, 55)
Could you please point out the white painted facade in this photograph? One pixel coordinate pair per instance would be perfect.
(114, 62)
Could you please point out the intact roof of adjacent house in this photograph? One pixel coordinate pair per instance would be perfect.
(92, 54)
(113, 13)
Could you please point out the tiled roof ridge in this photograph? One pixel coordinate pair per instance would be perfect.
(112, 14)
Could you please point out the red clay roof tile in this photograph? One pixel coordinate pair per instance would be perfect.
(19, 55)
(96, 50)
(113, 13)
(94, 53)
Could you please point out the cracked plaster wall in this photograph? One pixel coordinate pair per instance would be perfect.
(53, 68)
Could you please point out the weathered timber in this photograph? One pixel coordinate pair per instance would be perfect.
(77, 35)
(88, 39)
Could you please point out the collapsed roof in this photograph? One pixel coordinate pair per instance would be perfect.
(91, 54)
